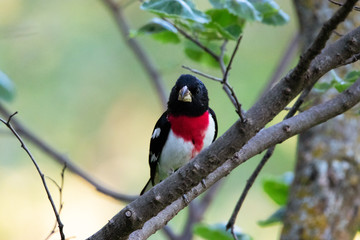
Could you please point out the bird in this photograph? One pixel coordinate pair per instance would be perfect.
(183, 130)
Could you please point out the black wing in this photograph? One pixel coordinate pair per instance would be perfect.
(212, 113)
(158, 139)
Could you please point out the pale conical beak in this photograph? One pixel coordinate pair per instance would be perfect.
(185, 95)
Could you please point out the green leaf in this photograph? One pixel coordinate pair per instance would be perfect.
(197, 54)
(184, 9)
(342, 84)
(352, 76)
(166, 37)
(278, 19)
(271, 12)
(243, 9)
(323, 86)
(226, 24)
(276, 217)
(217, 232)
(159, 30)
(340, 87)
(277, 188)
(266, 11)
(157, 25)
(7, 88)
(207, 32)
(223, 25)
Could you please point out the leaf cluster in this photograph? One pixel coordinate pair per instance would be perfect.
(225, 21)
(340, 84)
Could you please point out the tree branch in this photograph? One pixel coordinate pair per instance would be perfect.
(226, 86)
(266, 157)
(60, 188)
(340, 4)
(263, 140)
(321, 39)
(63, 160)
(42, 176)
(224, 81)
(249, 183)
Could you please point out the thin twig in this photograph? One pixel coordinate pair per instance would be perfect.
(221, 58)
(321, 39)
(231, 223)
(226, 73)
(202, 74)
(226, 86)
(249, 183)
(356, 8)
(60, 188)
(231, 93)
(224, 81)
(63, 160)
(42, 176)
(194, 40)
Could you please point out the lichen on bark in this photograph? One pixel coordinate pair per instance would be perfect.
(325, 195)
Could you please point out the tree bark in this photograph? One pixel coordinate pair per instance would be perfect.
(325, 195)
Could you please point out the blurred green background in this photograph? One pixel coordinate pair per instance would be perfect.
(79, 87)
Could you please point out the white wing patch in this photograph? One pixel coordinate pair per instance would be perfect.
(153, 157)
(156, 133)
(209, 133)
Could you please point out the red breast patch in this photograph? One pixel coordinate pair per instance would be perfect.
(191, 129)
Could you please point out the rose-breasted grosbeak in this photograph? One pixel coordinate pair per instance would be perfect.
(182, 131)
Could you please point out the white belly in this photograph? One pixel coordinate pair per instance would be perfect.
(175, 154)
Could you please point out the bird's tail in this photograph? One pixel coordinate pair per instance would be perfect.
(147, 187)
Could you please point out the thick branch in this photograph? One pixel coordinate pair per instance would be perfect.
(167, 193)
(263, 140)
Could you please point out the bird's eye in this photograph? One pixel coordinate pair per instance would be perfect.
(197, 91)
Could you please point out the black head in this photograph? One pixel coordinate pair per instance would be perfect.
(188, 97)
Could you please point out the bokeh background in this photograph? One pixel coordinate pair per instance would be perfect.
(80, 89)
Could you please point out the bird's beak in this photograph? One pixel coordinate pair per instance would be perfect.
(185, 95)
